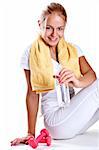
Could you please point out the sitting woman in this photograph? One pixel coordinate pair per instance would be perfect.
(53, 68)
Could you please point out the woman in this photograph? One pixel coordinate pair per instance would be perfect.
(63, 120)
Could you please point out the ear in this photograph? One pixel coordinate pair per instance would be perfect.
(39, 23)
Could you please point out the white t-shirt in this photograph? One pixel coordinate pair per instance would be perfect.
(25, 56)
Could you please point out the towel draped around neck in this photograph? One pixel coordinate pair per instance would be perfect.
(41, 68)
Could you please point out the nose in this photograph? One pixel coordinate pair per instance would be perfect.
(54, 33)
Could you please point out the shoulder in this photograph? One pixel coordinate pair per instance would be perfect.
(27, 51)
(79, 50)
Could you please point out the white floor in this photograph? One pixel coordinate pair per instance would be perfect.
(15, 126)
(87, 141)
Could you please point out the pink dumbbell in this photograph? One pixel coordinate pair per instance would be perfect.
(34, 142)
(46, 140)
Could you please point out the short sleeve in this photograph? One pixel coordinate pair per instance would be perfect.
(79, 50)
(25, 58)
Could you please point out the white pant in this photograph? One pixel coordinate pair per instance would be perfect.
(82, 112)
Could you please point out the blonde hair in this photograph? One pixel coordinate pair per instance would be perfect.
(54, 8)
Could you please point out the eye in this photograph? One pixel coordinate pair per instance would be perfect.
(48, 28)
(60, 28)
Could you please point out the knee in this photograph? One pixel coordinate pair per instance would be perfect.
(65, 136)
(59, 134)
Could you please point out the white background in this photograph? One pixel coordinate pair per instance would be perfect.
(18, 28)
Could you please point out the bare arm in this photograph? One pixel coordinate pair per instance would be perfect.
(32, 103)
(88, 74)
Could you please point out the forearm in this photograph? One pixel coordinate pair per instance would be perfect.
(32, 102)
(87, 79)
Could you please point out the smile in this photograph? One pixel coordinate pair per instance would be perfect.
(53, 39)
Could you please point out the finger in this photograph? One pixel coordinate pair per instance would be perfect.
(70, 84)
(64, 80)
(23, 140)
(30, 136)
(15, 142)
(66, 75)
(27, 138)
(70, 80)
(26, 142)
(64, 70)
(56, 76)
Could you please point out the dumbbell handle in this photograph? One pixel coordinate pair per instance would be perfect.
(46, 140)
(40, 137)
(42, 141)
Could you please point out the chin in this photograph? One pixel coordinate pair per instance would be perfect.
(52, 43)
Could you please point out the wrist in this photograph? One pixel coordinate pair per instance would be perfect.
(82, 83)
(31, 134)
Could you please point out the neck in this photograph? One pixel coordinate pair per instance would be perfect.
(53, 52)
(53, 48)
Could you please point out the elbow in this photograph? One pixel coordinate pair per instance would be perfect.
(93, 75)
(32, 96)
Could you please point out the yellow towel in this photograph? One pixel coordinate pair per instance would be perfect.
(41, 68)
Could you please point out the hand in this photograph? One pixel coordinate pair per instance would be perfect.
(68, 77)
(23, 140)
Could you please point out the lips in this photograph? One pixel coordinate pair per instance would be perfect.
(53, 39)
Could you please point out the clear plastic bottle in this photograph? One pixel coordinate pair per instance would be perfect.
(63, 95)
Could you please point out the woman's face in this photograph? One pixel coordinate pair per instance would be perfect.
(52, 29)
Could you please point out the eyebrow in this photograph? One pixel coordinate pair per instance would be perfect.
(57, 27)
